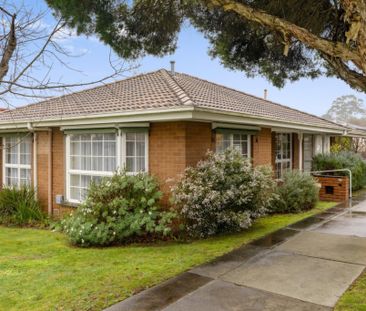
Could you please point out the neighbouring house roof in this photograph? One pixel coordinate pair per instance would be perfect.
(159, 90)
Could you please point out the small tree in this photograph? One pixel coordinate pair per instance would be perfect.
(346, 108)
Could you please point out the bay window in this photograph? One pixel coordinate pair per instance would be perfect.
(96, 154)
(235, 139)
(17, 159)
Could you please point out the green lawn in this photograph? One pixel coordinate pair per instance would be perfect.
(40, 271)
(355, 298)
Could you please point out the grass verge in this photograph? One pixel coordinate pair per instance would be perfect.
(39, 270)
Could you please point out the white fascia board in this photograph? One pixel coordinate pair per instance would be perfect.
(204, 115)
(105, 125)
(145, 116)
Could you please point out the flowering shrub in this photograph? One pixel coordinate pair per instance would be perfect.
(298, 192)
(224, 193)
(118, 210)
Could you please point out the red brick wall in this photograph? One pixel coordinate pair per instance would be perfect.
(262, 147)
(340, 186)
(167, 156)
(199, 139)
(175, 145)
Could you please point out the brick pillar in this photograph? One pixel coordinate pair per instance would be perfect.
(262, 147)
(58, 170)
(42, 167)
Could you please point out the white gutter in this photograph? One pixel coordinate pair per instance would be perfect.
(176, 114)
(50, 172)
(35, 164)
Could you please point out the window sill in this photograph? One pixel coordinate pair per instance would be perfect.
(69, 204)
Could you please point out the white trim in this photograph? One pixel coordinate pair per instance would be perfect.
(35, 164)
(103, 126)
(173, 114)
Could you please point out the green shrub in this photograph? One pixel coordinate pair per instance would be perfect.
(120, 209)
(19, 206)
(297, 192)
(342, 160)
(223, 193)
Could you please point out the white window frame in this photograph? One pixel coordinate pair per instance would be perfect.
(281, 161)
(249, 142)
(123, 156)
(16, 166)
(120, 159)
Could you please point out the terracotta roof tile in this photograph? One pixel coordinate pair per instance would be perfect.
(158, 90)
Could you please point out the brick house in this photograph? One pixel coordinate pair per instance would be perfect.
(160, 122)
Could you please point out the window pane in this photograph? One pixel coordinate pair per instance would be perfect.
(110, 149)
(130, 148)
(130, 167)
(75, 193)
(140, 149)
(11, 176)
(135, 152)
(140, 164)
(98, 148)
(75, 163)
(25, 177)
(131, 136)
(110, 164)
(75, 148)
(75, 180)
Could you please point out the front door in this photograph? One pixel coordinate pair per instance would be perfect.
(283, 154)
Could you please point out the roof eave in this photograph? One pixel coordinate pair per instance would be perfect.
(170, 114)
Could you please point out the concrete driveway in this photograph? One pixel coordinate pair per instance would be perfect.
(306, 266)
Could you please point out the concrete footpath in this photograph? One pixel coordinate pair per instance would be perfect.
(306, 266)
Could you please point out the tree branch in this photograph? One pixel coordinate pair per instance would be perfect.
(332, 49)
(352, 77)
(9, 48)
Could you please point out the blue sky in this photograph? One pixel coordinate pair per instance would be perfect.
(313, 96)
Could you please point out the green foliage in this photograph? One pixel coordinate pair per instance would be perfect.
(118, 210)
(19, 206)
(341, 144)
(223, 193)
(136, 28)
(343, 160)
(297, 193)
